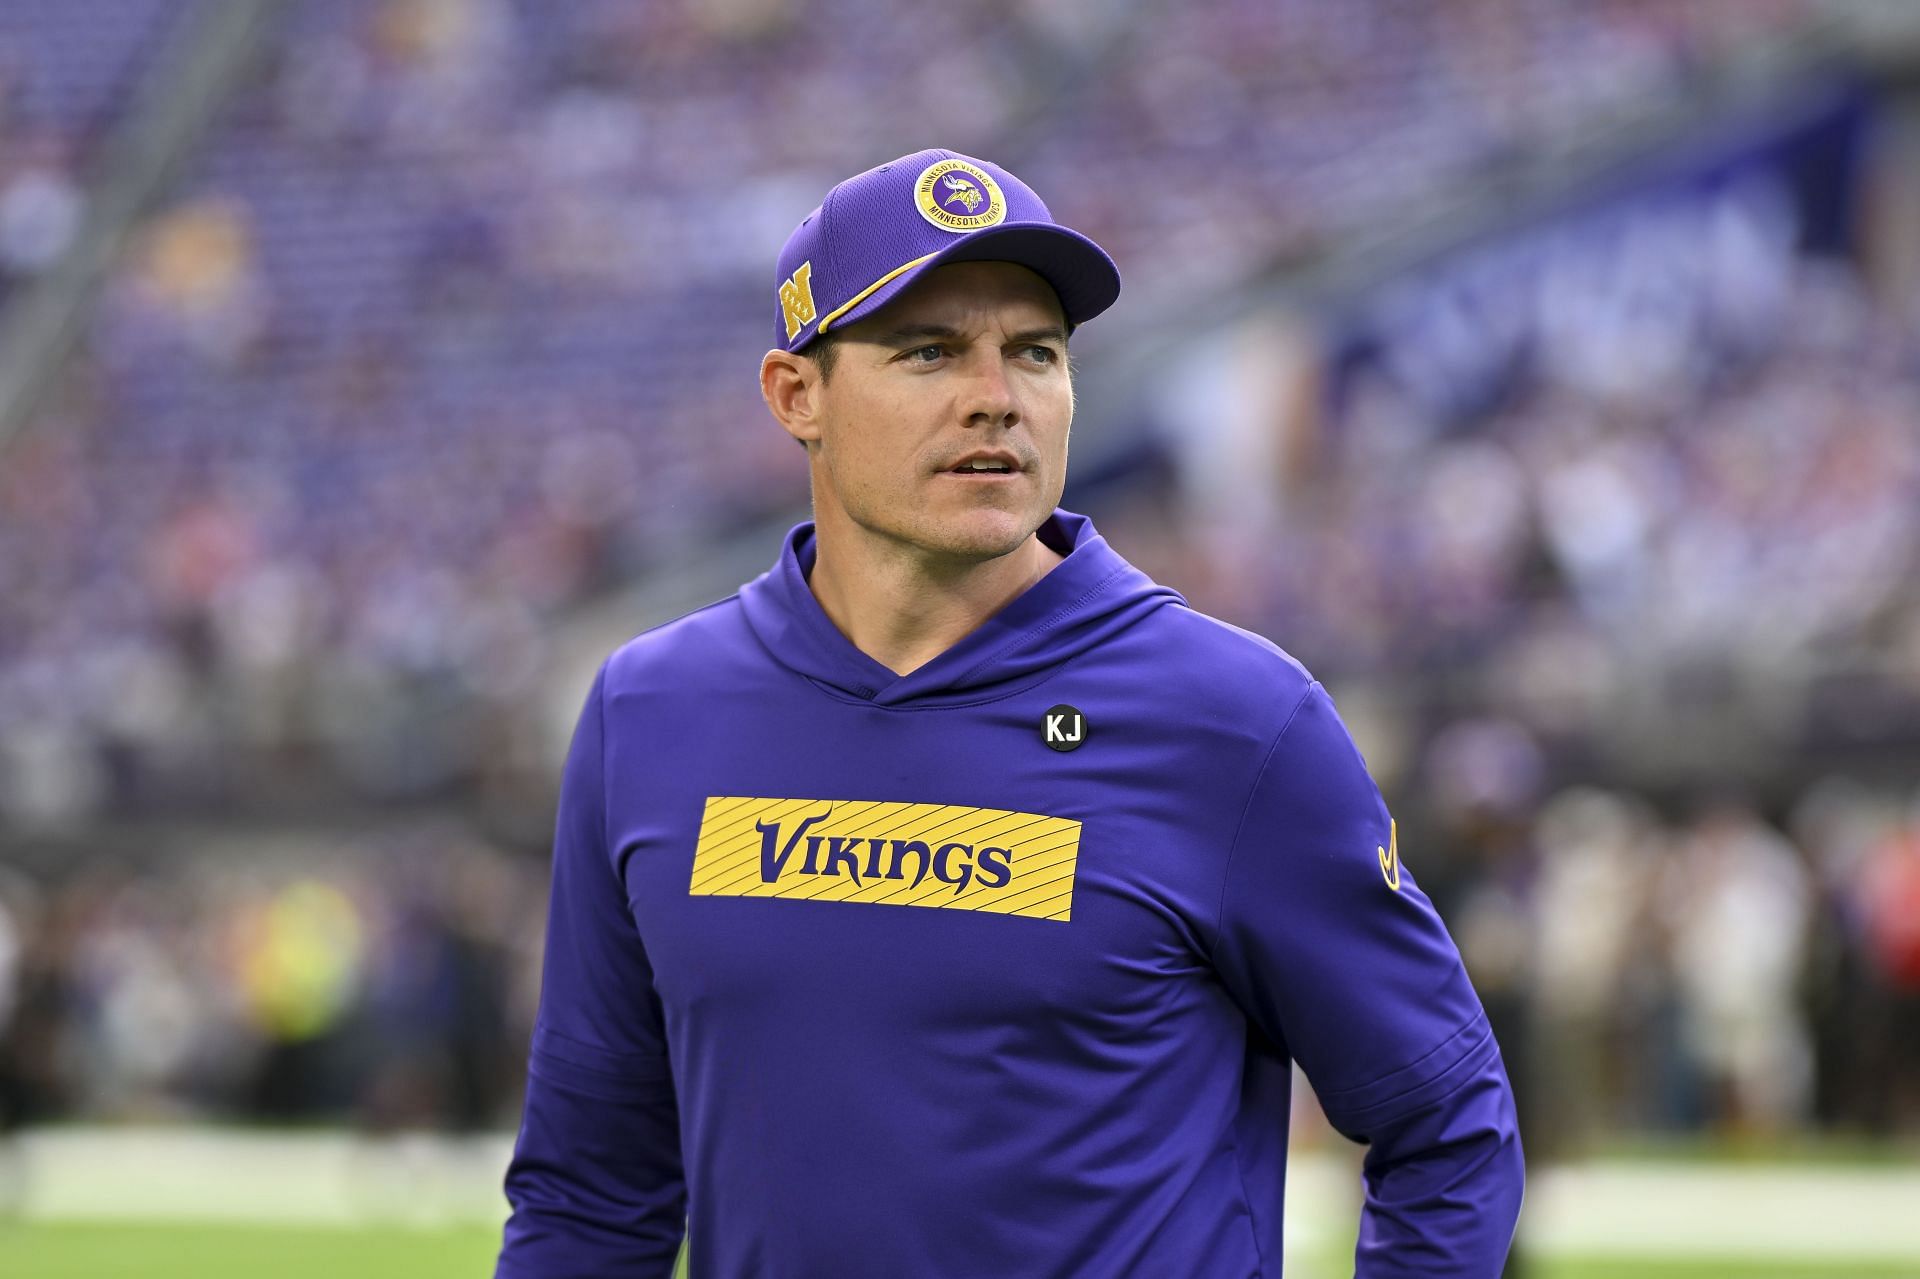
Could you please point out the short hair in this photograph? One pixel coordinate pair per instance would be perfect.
(824, 351)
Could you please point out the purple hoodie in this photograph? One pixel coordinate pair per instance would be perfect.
(996, 968)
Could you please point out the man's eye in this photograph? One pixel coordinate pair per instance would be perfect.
(1042, 354)
(925, 354)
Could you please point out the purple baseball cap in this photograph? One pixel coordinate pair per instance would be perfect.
(878, 231)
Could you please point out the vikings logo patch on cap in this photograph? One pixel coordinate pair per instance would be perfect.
(957, 196)
(860, 248)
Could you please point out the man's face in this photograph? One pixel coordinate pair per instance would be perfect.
(970, 363)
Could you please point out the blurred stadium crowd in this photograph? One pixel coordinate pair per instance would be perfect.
(1755, 509)
(446, 331)
(65, 74)
(1708, 971)
(387, 979)
(427, 346)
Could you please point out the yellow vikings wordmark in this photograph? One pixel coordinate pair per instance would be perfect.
(885, 853)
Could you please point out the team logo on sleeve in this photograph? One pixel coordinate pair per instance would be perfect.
(887, 854)
(1390, 856)
(957, 196)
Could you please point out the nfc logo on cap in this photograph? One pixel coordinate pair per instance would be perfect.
(1063, 728)
(796, 300)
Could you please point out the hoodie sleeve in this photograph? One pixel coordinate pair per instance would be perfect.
(1340, 960)
(595, 1181)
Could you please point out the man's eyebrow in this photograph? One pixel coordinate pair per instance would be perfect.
(922, 332)
(916, 332)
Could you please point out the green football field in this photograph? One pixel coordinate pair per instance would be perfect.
(174, 1203)
(80, 1251)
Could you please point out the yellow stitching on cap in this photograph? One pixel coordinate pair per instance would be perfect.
(865, 293)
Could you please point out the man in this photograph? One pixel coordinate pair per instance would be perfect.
(952, 900)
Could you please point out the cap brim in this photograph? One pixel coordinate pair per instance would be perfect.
(1082, 275)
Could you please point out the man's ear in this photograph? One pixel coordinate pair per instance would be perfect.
(791, 386)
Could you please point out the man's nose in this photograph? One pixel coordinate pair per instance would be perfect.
(990, 396)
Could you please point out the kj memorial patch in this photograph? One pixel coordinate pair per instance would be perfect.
(882, 853)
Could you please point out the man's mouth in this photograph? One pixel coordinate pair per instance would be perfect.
(985, 465)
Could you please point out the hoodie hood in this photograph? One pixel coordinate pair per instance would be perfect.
(1092, 595)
